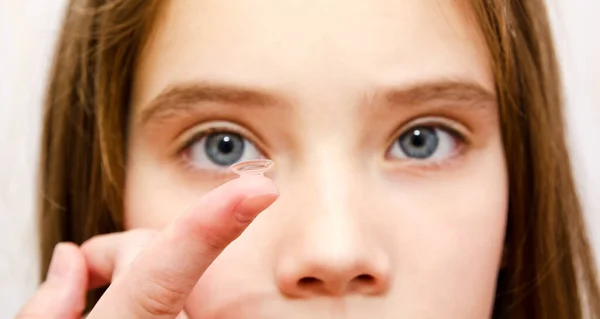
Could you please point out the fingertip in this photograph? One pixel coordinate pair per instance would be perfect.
(252, 206)
(70, 269)
(251, 186)
(79, 276)
(76, 257)
(67, 261)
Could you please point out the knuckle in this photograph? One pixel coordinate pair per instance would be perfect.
(214, 241)
(161, 296)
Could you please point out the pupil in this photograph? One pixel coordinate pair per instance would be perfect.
(226, 145)
(417, 139)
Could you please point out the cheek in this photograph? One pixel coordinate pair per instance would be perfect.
(448, 233)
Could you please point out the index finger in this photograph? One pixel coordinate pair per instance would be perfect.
(159, 280)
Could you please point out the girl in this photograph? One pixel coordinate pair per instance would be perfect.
(421, 165)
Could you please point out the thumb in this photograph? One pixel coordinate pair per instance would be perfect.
(63, 293)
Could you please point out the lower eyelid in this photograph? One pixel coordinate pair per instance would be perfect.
(429, 166)
(190, 168)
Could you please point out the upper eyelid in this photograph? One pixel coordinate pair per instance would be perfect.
(215, 127)
(196, 136)
(453, 126)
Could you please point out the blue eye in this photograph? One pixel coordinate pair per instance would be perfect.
(424, 143)
(221, 150)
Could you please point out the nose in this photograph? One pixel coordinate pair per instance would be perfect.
(328, 248)
(318, 274)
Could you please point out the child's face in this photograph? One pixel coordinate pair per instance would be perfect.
(381, 119)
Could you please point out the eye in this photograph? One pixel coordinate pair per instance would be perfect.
(219, 150)
(425, 143)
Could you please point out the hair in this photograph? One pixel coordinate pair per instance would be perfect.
(548, 269)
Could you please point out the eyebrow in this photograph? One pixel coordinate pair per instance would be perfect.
(184, 98)
(452, 91)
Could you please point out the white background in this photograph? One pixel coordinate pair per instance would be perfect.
(28, 29)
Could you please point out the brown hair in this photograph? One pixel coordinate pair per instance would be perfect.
(549, 271)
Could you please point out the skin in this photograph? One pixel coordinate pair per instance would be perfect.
(359, 230)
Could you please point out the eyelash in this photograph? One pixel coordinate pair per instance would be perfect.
(197, 136)
(450, 126)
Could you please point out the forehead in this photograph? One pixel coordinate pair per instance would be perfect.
(317, 43)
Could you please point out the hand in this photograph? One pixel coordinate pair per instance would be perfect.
(155, 282)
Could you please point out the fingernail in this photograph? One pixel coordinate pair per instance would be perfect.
(250, 207)
(59, 264)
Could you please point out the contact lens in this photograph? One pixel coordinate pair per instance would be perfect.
(252, 167)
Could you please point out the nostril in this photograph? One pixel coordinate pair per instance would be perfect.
(363, 284)
(309, 281)
(367, 279)
(367, 284)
